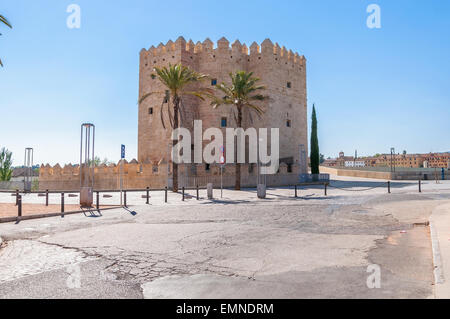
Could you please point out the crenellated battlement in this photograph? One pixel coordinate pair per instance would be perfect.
(222, 47)
(148, 168)
(155, 175)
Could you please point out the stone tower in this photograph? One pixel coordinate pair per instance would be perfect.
(280, 70)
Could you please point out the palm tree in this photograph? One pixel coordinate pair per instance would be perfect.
(176, 78)
(5, 165)
(241, 94)
(6, 22)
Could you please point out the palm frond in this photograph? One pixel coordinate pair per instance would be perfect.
(177, 79)
(162, 115)
(242, 91)
(255, 108)
(5, 21)
(258, 97)
(144, 97)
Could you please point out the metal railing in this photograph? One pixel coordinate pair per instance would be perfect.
(147, 195)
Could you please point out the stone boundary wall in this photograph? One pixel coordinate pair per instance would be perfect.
(12, 185)
(385, 175)
(421, 175)
(356, 173)
(141, 175)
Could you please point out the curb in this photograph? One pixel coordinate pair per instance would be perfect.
(48, 215)
(437, 260)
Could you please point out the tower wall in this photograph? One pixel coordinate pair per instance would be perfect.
(275, 66)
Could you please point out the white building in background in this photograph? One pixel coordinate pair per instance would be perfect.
(356, 163)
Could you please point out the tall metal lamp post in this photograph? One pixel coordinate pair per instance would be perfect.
(87, 165)
(392, 159)
(28, 174)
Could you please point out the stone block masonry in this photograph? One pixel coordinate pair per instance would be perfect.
(281, 71)
(157, 176)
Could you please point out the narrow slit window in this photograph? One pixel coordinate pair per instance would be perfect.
(288, 123)
(166, 97)
(150, 111)
(223, 122)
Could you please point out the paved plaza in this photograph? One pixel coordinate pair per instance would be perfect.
(313, 246)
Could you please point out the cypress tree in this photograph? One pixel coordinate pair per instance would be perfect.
(315, 156)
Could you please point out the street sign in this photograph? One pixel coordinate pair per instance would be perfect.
(122, 157)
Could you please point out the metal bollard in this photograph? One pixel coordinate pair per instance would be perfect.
(19, 206)
(165, 195)
(210, 190)
(62, 202)
(420, 186)
(17, 197)
(389, 187)
(98, 201)
(296, 195)
(46, 197)
(125, 198)
(148, 196)
(183, 195)
(198, 197)
(326, 189)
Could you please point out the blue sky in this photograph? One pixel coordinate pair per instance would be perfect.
(373, 88)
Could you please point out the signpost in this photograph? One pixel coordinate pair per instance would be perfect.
(222, 163)
(122, 157)
(122, 152)
(28, 163)
(87, 172)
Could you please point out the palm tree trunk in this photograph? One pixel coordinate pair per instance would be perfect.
(237, 185)
(176, 102)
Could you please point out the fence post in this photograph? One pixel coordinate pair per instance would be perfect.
(326, 189)
(198, 197)
(17, 197)
(420, 186)
(165, 195)
(148, 195)
(19, 206)
(46, 197)
(183, 194)
(296, 191)
(98, 201)
(389, 187)
(62, 202)
(125, 198)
